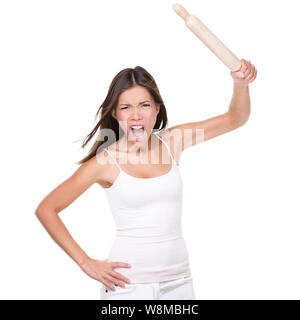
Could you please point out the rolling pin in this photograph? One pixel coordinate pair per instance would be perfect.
(208, 38)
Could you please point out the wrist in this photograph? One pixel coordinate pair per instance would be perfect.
(83, 261)
(239, 84)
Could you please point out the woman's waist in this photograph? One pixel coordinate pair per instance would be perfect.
(148, 234)
(149, 252)
(151, 263)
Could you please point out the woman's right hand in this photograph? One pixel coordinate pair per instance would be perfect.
(102, 270)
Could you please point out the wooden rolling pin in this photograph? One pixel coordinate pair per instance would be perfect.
(208, 38)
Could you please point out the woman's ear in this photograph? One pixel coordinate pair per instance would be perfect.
(157, 108)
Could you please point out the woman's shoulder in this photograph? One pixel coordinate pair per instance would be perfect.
(163, 134)
(103, 168)
(171, 138)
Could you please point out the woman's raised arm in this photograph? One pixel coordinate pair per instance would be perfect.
(190, 134)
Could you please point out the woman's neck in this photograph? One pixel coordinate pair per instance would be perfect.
(132, 147)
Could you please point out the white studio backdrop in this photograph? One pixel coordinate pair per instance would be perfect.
(240, 213)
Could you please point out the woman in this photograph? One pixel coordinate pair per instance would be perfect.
(137, 165)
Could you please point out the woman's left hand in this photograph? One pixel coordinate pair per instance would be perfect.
(248, 72)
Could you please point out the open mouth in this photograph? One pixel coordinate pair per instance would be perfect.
(138, 131)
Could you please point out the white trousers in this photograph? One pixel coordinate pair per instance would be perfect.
(178, 289)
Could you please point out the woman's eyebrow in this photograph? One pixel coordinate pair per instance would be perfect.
(127, 104)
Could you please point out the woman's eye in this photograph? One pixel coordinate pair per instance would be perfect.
(144, 105)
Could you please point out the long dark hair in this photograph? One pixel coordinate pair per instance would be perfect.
(125, 79)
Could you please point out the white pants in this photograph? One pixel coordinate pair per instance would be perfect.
(179, 289)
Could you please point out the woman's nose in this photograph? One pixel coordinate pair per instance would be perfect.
(136, 113)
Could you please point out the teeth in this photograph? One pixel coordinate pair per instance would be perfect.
(137, 127)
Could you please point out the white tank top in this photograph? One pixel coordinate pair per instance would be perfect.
(147, 213)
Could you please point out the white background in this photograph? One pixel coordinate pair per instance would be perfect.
(241, 213)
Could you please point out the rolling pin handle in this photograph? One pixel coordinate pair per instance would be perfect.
(181, 11)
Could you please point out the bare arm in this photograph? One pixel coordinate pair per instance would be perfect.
(240, 104)
(61, 197)
(59, 233)
(190, 134)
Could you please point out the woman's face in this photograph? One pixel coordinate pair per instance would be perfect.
(136, 107)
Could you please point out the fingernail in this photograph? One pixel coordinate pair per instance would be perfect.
(242, 75)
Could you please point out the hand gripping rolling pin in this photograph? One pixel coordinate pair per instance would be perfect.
(208, 38)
